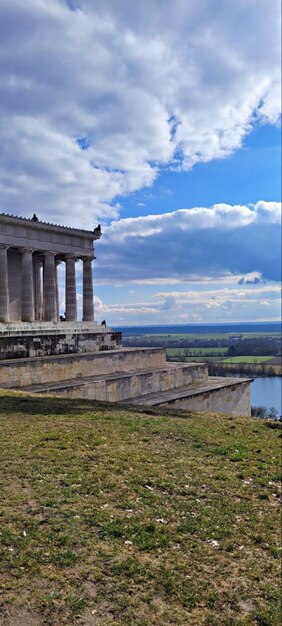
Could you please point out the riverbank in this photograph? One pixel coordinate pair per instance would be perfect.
(113, 517)
(220, 368)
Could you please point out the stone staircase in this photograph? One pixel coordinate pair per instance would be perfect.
(114, 375)
(124, 386)
(139, 376)
(186, 395)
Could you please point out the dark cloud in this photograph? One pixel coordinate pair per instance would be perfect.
(194, 243)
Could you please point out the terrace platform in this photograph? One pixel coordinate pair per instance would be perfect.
(139, 376)
(120, 386)
(216, 394)
(38, 339)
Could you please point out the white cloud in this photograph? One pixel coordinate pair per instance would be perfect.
(191, 244)
(252, 278)
(216, 297)
(196, 305)
(139, 84)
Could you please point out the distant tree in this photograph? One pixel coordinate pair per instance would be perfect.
(263, 413)
(259, 411)
(232, 350)
(270, 371)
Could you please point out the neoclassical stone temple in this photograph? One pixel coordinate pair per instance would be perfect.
(30, 252)
(41, 353)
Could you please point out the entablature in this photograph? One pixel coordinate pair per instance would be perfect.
(19, 232)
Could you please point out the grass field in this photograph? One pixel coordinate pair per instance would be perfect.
(195, 359)
(248, 359)
(111, 517)
(219, 336)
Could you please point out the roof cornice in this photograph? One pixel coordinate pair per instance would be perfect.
(38, 224)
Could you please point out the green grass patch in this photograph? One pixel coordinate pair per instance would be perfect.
(113, 517)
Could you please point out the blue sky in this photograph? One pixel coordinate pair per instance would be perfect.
(251, 173)
(164, 130)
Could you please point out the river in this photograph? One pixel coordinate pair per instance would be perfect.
(266, 391)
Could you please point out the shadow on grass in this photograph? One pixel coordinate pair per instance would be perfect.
(31, 404)
(37, 405)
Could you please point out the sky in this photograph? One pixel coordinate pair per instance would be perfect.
(160, 121)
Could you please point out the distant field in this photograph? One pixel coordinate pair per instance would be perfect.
(248, 359)
(195, 359)
(197, 351)
(218, 336)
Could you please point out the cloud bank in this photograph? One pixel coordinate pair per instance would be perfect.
(97, 97)
(193, 244)
(208, 305)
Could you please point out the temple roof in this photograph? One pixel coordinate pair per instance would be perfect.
(36, 223)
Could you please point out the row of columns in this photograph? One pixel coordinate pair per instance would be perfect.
(41, 301)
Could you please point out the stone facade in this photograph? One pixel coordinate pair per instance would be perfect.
(30, 252)
(38, 340)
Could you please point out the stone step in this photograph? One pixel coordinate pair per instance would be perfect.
(120, 386)
(197, 388)
(61, 367)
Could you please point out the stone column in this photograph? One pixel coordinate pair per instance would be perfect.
(49, 288)
(4, 285)
(88, 307)
(57, 289)
(27, 286)
(71, 307)
(38, 289)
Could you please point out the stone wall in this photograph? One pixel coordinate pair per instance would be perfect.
(22, 372)
(68, 342)
(233, 398)
(118, 387)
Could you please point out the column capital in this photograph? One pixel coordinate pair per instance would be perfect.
(48, 253)
(22, 250)
(87, 258)
(3, 246)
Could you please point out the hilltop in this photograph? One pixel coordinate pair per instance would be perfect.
(115, 517)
